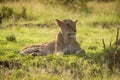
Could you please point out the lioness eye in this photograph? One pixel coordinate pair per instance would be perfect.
(68, 24)
(74, 30)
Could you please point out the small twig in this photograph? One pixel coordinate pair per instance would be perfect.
(111, 43)
(104, 46)
(1, 20)
(117, 35)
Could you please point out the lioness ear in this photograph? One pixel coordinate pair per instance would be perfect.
(58, 22)
(75, 21)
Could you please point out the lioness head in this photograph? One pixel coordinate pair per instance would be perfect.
(68, 27)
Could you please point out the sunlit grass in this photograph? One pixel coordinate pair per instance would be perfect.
(90, 33)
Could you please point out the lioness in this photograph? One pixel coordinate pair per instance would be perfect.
(65, 42)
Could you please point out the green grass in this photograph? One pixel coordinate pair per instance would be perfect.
(59, 66)
(64, 67)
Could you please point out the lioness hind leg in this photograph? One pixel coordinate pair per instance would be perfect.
(36, 54)
(28, 50)
(33, 51)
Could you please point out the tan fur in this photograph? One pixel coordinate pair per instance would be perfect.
(65, 42)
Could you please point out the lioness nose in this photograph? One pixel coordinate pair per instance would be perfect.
(74, 30)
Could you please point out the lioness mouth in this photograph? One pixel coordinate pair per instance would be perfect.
(71, 35)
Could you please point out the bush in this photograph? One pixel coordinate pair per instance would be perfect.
(9, 12)
(105, 0)
(112, 53)
(6, 12)
(11, 38)
(113, 58)
(70, 4)
(1, 1)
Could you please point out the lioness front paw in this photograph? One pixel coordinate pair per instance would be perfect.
(59, 53)
(80, 52)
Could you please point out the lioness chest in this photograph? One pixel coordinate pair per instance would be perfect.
(69, 48)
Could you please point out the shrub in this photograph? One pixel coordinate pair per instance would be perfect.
(112, 53)
(70, 4)
(9, 12)
(11, 38)
(6, 12)
(105, 0)
(1, 1)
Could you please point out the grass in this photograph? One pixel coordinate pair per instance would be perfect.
(90, 32)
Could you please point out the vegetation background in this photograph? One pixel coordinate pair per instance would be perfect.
(26, 22)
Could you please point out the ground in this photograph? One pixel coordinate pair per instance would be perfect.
(92, 27)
